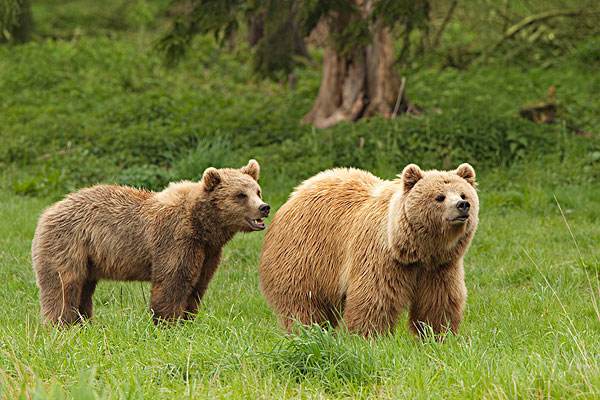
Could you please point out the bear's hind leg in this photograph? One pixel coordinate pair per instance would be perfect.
(306, 313)
(85, 303)
(51, 297)
(60, 297)
(369, 316)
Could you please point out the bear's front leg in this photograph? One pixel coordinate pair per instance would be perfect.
(169, 299)
(209, 267)
(173, 278)
(376, 297)
(439, 299)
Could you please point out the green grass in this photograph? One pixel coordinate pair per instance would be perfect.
(98, 105)
(97, 109)
(532, 326)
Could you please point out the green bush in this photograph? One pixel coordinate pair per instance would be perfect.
(588, 52)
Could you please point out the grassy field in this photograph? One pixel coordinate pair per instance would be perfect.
(89, 100)
(532, 326)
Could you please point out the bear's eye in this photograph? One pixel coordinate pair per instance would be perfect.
(462, 196)
(241, 195)
(440, 198)
(258, 193)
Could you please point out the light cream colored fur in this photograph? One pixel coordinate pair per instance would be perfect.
(348, 244)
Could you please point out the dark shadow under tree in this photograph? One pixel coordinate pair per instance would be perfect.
(16, 21)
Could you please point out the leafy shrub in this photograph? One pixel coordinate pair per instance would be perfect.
(588, 52)
(146, 176)
(208, 153)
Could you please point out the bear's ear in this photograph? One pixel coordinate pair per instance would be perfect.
(211, 179)
(467, 172)
(410, 176)
(252, 169)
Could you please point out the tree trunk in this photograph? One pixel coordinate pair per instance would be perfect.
(16, 21)
(361, 82)
(256, 28)
(21, 32)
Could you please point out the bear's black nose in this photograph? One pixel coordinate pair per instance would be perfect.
(463, 206)
(264, 209)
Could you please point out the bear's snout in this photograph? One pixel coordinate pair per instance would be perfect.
(264, 209)
(463, 206)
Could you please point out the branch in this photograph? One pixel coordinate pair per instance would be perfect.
(438, 35)
(534, 19)
(400, 97)
(528, 21)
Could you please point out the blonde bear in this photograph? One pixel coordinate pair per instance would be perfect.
(348, 245)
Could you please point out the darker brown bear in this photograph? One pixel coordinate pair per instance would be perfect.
(172, 238)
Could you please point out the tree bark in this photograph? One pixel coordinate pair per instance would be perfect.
(21, 32)
(361, 82)
(256, 28)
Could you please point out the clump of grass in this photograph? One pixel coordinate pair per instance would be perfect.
(332, 358)
(209, 152)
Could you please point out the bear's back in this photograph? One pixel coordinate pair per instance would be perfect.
(305, 245)
(338, 182)
(106, 222)
(108, 204)
(326, 204)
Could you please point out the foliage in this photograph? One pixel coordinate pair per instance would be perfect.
(478, 32)
(588, 52)
(9, 10)
(450, 32)
(68, 20)
(282, 42)
(199, 17)
(15, 20)
(324, 355)
(103, 110)
(286, 24)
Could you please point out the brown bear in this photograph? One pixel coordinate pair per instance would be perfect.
(172, 238)
(350, 245)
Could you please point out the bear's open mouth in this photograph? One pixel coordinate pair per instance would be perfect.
(461, 219)
(256, 224)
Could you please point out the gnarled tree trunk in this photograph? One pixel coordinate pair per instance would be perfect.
(360, 82)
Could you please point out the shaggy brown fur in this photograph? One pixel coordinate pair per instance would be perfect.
(349, 244)
(172, 238)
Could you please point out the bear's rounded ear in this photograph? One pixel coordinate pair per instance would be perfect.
(252, 169)
(410, 176)
(467, 172)
(211, 178)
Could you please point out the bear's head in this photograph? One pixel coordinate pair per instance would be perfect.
(436, 210)
(234, 194)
